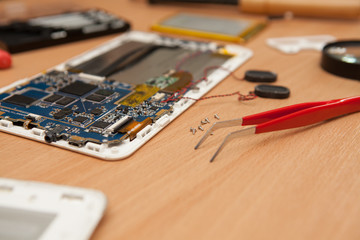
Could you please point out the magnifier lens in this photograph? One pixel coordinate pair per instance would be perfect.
(342, 59)
(345, 54)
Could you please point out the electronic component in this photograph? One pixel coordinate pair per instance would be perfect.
(80, 119)
(119, 124)
(104, 92)
(65, 101)
(79, 141)
(225, 29)
(53, 98)
(260, 76)
(95, 97)
(158, 96)
(110, 101)
(100, 124)
(62, 113)
(96, 111)
(142, 92)
(20, 100)
(155, 64)
(134, 127)
(162, 81)
(183, 80)
(44, 31)
(272, 91)
(52, 135)
(78, 88)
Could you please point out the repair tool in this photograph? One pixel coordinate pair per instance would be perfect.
(292, 116)
(342, 59)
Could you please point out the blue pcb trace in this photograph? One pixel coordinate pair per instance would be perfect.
(79, 110)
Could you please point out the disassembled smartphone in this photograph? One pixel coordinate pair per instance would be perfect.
(39, 211)
(111, 100)
(39, 32)
(225, 29)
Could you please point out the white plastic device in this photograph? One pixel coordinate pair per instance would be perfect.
(239, 56)
(292, 45)
(42, 211)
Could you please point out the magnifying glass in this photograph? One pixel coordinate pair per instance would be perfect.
(342, 58)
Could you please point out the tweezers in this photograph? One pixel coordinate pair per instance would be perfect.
(292, 116)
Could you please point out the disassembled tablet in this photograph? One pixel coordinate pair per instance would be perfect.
(39, 211)
(111, 100)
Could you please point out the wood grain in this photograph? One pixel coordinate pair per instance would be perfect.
(295, 184)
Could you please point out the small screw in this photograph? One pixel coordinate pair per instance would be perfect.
(207, 120)
(193, 130)
(201, 128)
(216, 116)
(203, 122)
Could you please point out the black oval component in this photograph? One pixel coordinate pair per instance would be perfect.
(342, 59)
(271, 91)
(260, 76)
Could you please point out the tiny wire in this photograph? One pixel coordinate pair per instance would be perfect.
(178, 93)
(242, 97)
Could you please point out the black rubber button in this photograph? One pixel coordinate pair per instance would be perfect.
(260, 76)
(272, 91)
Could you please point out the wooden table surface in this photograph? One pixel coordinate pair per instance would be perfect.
(295, 184)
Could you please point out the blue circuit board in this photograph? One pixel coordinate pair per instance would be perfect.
(71, 107)
(115, 97)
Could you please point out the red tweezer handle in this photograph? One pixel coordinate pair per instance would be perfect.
(302, 114)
